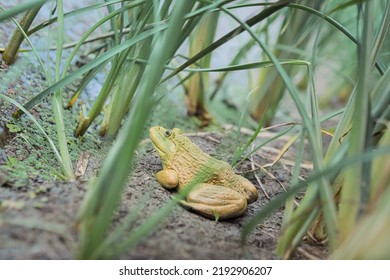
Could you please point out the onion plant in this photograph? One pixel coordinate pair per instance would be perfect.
(10, 55)
(353, 139)
(12, 48)
(293, 32)
(197, 85)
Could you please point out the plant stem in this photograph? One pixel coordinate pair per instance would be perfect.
(354, 189)
(57, 100)
(12, 48)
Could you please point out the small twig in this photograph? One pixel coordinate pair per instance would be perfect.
(307, 254)
(257, 177)
(212, 139)
(82, 164)
(268, 233)
(305, 165)
(93, 39)
(270, 175)
(248, 131)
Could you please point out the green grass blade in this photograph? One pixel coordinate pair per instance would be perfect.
(270, 140)
(341, 28)
(47, 74)
(12, 49)
(285, 243)
(380, 172)
(76, 12)
(93, 28)
(20, 8)
(230, 35)
(346, 5)
(128, 81)
(325, 189)
(382, 32)
(248, 66)
(354, 193)
(371, 233)
(235, 67)
(83, 84)
(140, 232)
(240, 150)
(103, 197)
(337, 25)
(381, 95)
(87, 67)
(57, 100)
(113, 24)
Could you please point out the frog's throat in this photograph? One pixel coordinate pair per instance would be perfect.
(159, 150)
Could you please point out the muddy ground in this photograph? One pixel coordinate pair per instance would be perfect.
(38, 220)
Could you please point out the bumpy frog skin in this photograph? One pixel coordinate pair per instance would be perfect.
(220, 193)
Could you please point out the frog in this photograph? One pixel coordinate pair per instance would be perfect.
(215, 191)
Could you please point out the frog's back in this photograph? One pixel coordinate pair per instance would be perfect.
(192, 164)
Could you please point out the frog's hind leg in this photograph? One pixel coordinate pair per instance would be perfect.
(215, 202)
(250, 189)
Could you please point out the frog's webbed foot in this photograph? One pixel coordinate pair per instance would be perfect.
(215, 202)
(168, 178)
(250, 189)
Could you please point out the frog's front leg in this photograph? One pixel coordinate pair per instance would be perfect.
(215, 202)
(168, 178)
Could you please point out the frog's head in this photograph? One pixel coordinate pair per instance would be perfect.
(165, 141)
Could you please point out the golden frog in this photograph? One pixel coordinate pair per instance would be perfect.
(219, 193)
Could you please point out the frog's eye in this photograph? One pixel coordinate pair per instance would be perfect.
(168, 133)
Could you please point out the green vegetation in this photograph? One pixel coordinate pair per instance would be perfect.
(320, 68)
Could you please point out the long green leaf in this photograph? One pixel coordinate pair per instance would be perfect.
(76, 74)
(71, 14)
(382, 33)
(230, 35)
(248, 66)
(20, 8)
(92, 29)
(57, 100)
(46, 72)
(330, 20)
(354, 193)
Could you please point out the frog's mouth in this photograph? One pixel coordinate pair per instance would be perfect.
(159, 150)
(157, 142)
